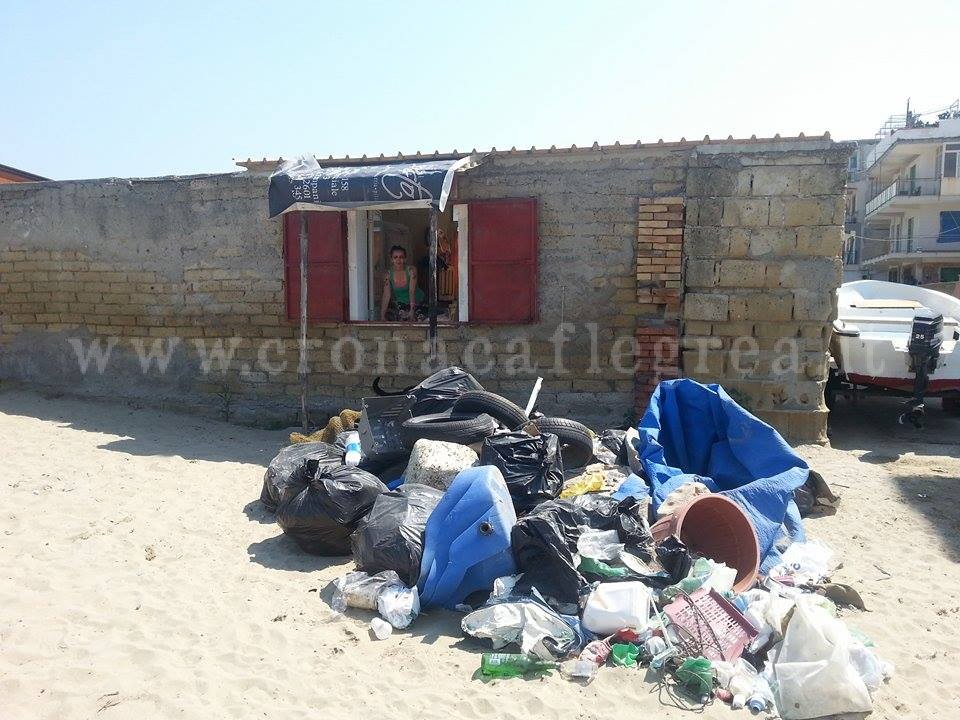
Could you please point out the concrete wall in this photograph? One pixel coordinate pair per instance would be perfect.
(182, 267)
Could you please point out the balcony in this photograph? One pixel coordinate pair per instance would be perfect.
(903, 187)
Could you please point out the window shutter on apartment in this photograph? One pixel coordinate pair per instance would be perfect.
(326, 265)
(503, 249)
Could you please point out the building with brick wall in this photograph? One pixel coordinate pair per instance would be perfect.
(713, 259)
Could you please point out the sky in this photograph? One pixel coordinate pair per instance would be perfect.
(133, 89)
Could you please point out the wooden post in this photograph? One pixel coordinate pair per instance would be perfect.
(432, 299)
(302, 368)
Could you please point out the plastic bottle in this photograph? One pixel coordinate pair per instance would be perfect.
(760, 697)
(506, 665)
(579, 670)
(353, 454)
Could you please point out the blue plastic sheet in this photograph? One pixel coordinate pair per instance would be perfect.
(692, 431)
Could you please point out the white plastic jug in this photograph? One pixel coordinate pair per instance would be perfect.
(614, 606)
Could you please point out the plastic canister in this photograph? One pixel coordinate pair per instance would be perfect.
(612, 606)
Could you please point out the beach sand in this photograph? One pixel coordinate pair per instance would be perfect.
(142, 579)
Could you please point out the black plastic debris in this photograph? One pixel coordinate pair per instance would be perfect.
(531, 466)
(390, 537)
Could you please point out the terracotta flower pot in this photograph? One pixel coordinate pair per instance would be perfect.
(716, 528)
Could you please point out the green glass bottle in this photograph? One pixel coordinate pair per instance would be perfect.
(506, 665)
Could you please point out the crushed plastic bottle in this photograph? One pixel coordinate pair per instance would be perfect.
(579, 670)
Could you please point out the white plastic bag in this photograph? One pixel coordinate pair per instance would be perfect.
(807, 562)
(814, 672)
(600, 545)
(398, 604)
(614, 606)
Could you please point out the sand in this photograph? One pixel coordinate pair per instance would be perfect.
(142, 579)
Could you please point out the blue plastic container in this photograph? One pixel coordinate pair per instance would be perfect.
(467, 539)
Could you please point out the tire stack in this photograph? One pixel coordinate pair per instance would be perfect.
(477, 414)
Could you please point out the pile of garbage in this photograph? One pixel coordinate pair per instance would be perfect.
(677, 545)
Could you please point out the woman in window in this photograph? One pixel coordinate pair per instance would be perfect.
(401, 299)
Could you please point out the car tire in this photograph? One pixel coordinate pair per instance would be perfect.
(576, 440)
(499, 408)
(447, 427)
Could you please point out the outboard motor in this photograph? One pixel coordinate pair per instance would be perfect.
(926, 337)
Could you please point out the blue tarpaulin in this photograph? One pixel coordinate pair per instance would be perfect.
(692, 431)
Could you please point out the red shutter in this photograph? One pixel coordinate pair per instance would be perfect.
(502, 244)
(326, 265)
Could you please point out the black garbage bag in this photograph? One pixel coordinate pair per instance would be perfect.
(614, 443)
(543, 544)
(628, 517)
(439, 392)
(390, 536)
(324, 506)
(532, 466)
(286, 468)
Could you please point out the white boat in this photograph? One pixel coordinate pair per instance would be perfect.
(899, 338)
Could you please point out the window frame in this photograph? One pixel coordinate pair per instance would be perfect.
(953, 151)
(361, 283)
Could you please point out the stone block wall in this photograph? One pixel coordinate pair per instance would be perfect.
(762, 264)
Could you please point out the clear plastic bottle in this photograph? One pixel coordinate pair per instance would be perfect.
(353, 453)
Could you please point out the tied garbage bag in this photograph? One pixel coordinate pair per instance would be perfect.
(531, 466)
(814, 670)
(287, 468)
(694, 432)
(321, 510)
(390, 536)
(536, 628)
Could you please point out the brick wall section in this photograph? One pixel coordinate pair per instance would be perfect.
(762, 249)
(659, 267)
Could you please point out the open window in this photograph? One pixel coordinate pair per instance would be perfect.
(367, 265)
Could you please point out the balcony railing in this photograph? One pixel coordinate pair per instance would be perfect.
(903, 187)
(903, 245)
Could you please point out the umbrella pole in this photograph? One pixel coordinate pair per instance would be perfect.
(302, 367)
(432, 332)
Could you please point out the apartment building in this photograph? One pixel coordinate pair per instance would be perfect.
(903, 202)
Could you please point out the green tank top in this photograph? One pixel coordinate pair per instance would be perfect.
(402, 295)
